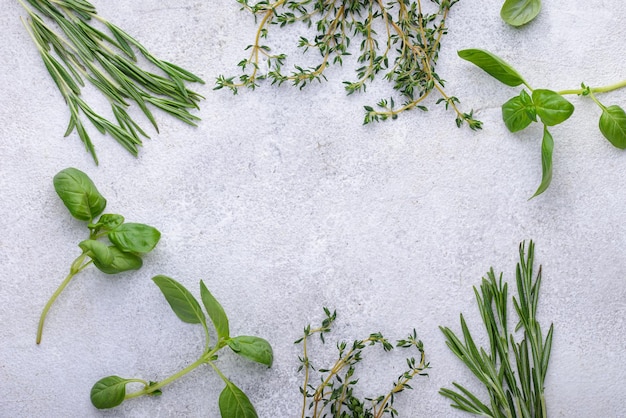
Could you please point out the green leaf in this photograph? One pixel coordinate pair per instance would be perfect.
(135, 238)
(516, 114)
(122, 261)
(552, 108)
(216, 312)
(235, 404)
(493, 65)
(253, 348)
(520, 12)
(110, 221)
(613, 125)
(184, 305)
(110, 259)
(79, 194)
(547, 146)
(98, 251)
(109, 392)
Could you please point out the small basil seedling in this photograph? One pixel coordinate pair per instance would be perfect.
(127, 241)
(110, 391)
(547, 106)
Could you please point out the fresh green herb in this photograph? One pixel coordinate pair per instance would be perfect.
(520, 12)
(110, 391)
(513, 373)
(335, 393)
(129, 240)
(547, 105)
(108, 62)
(406, 51)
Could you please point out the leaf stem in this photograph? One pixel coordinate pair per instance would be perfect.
(603, 89)
(77, 267)
(205, 358)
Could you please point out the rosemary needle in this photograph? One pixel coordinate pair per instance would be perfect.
(73, 50)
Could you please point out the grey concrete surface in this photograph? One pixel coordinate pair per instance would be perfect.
(283, 203)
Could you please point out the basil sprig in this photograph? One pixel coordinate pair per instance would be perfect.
(110, 391)
(127, 242)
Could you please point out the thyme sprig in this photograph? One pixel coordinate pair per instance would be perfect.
(73, 50)
(335, 392)
(513, 372)
(399, 39)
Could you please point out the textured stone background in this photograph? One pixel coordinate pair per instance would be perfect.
(282, 202)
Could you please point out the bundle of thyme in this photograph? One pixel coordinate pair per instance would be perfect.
(398, 38)
(334, 395)
(513, 373)
(73, 49)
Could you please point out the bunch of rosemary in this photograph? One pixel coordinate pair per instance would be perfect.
(73, 50)
(405, 51)
(334, 395)
(513, 372)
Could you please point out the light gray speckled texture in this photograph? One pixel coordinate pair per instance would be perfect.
(283, 203)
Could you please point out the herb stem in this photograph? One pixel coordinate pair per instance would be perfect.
(151, 388)
(77, 267)
(603, 89)
(205, 358)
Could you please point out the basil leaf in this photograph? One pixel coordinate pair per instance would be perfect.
(122, 261)
(547, 146)
(98, 251)
(110, 259)
(135, 238)
(493, 65)
(520, 12)
(109, 392)
(216, 312)
(235, 404)
(110, 221)
(253, 348)
(552, 108)
(79, 194)
(613, 125)
(184, 305)
(515, 114)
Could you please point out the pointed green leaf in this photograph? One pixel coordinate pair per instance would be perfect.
(547, 146)
(79, 194)
(613, 125)
(493, 65)
(109, 392)
(235, 404)
(552, 108)
(520, 12)
(216, 312)
(253, 348)
(134, 237)
(184, 305)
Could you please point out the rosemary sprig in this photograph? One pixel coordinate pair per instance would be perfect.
(73, 50)
(512, 372)
(406, 50)
(334, 396)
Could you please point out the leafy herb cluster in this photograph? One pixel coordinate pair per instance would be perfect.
(83, 52)
(233, 402)
(512, 372)
(334, 394)
(398, 39)
(127, 241)
(547, 106)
